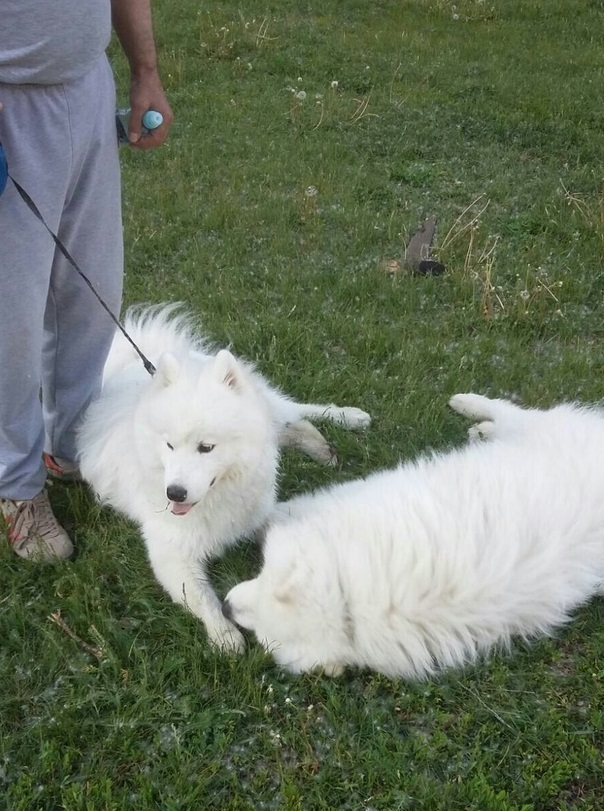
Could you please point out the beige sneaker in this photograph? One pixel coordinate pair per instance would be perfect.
(33, 530)
(62, 468)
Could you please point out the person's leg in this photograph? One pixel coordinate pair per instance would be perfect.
(61, 146)
(34, 131)
(78, 331)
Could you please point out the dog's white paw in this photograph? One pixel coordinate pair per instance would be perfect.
(483, 430)
(351, 417)
(325, 454)
(226, 637)
(332, 669)
(468, 405)
(304, 436)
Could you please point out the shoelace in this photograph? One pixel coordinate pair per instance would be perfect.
(16, 521)
(39, 512)
(46, 523)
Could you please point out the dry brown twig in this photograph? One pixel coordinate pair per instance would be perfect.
(58, 620)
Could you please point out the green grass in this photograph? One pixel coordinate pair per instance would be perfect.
(499, 111)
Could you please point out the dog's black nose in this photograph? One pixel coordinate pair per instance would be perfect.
(227, 610)
(176, 493)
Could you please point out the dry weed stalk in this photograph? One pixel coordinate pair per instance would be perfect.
(262, 34)
(594, 219)
(457, 230)
(479, 259)
(361, 110)
(487, 306)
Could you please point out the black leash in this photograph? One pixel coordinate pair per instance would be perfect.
(149, 367)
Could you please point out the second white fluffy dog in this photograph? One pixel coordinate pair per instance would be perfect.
(429, 565)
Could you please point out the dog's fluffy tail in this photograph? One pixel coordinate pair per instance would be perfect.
(155, 329)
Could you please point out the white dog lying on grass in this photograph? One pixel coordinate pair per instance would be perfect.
(191, 453)
(431, 564)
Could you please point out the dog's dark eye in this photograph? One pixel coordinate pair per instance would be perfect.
(170, 446)
(203, 448)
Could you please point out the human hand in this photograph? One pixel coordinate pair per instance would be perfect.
(147, 93)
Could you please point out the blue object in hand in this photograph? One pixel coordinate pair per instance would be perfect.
(152, 120)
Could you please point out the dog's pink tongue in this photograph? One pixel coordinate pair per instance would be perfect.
(180, 509)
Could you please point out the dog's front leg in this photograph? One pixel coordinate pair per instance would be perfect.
(186, 581)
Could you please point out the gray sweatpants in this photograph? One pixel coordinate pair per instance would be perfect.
(60, 141)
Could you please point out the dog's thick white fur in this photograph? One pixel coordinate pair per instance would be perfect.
(191, 453)
(431, 564)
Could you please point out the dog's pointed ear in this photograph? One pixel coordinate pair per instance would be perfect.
(226, 370)
(168, 370)
(288, 591)
(287, 594)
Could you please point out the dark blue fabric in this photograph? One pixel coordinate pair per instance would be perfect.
(3, 169)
